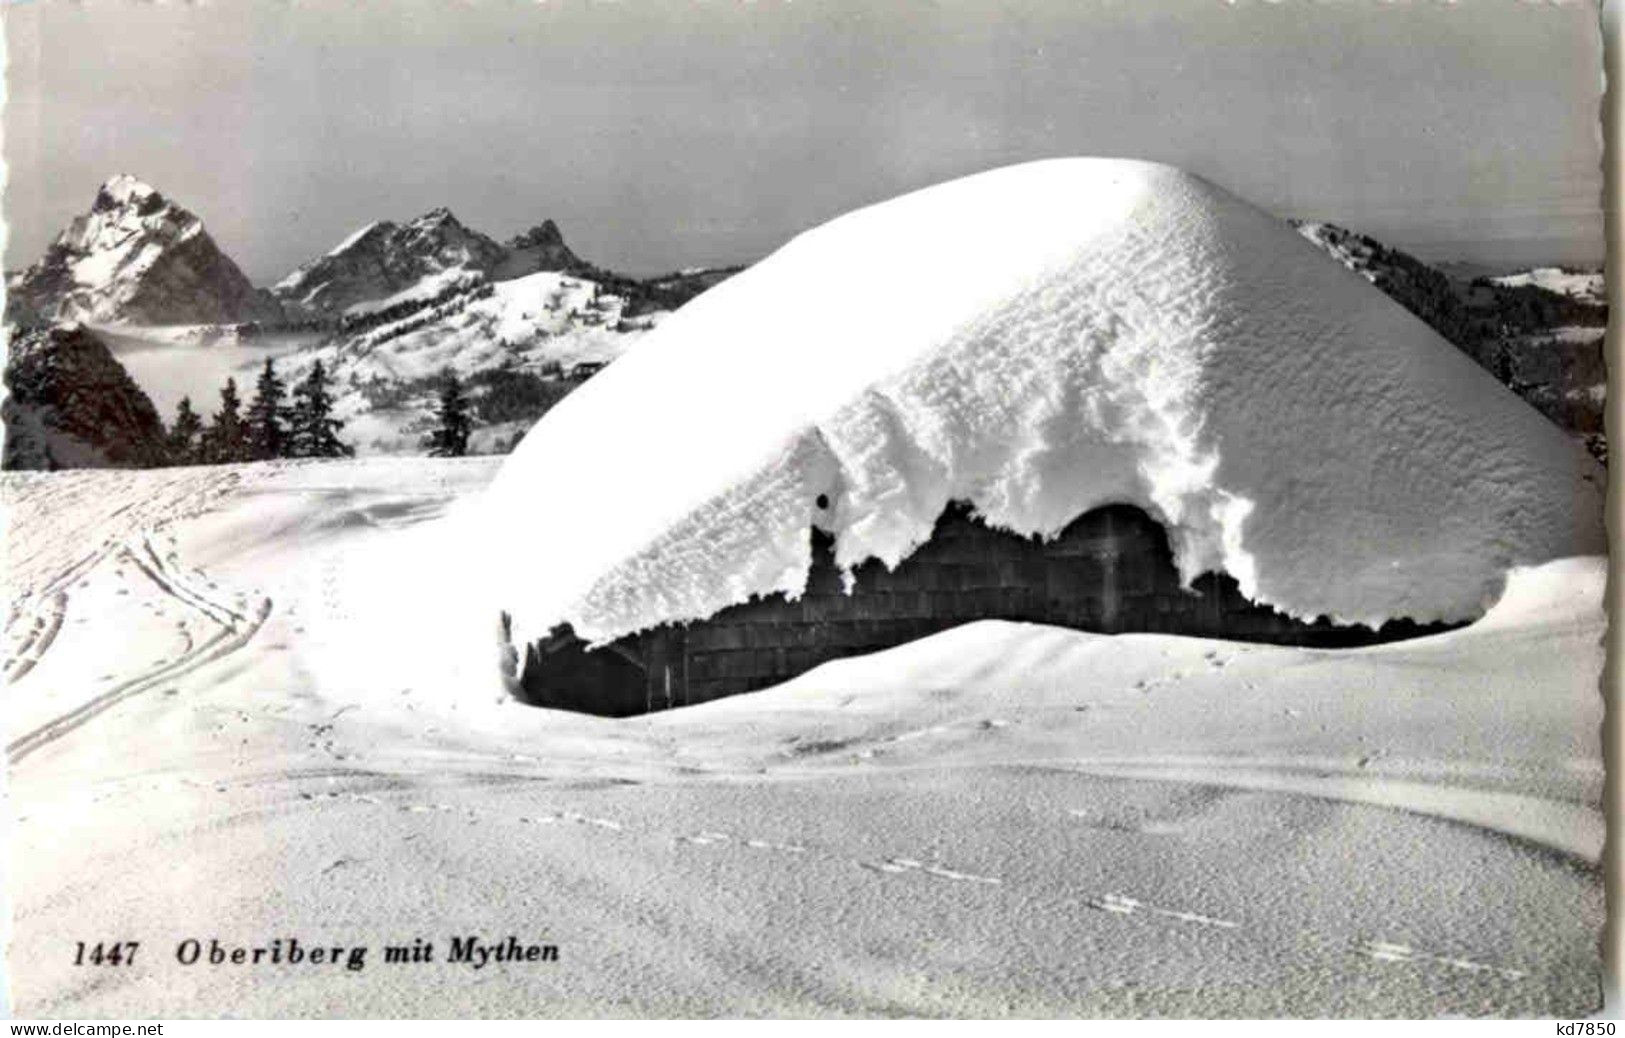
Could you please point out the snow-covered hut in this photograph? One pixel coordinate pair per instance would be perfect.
(1094, 392)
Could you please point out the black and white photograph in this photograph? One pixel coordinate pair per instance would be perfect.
(690, 509)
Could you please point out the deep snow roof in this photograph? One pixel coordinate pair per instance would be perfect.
(1039, 340)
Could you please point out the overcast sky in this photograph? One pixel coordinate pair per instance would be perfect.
(666, 134)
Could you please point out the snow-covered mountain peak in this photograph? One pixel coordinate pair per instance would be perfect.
(123, 189)
(437, 217)
(378, 228)
(384, 258)
(124, 207)
(540, 248)
(439, 236)
(136, 257)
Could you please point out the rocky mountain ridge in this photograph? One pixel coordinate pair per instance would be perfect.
(383, 258)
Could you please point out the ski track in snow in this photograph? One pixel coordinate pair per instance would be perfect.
(47, 611)
(42, 632)
(236, 629)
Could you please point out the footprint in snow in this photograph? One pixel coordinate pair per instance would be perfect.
(907, 865)
(602, 823)
(572, 816)
(707, 838)
(1121, 905)
(360, 798)
(1385, 951)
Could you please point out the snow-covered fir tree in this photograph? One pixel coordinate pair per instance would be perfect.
(314, 431)
(268, 416)
(453, 424)
(184, 434)
(227, 438)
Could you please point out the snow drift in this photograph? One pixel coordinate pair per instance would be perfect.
(1039, 340)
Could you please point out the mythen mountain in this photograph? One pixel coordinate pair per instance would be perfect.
(136, 257)
(385, 258)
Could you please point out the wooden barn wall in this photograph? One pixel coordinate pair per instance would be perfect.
(1110, 571)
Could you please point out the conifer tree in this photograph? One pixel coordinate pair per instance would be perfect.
(453, 423)
(268, 416)
(226, 440)
(314, 430)
(184, 446)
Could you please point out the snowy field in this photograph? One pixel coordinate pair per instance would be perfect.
(222, 725)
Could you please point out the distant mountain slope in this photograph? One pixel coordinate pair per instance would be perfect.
(660, 293)
(522, 323)
(1588, 286)
(136, 257)
(71, 405)
(1415, 285)
(1467, 312)
(1545, 345)
(520, 344)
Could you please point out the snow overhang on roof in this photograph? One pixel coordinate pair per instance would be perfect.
(1039, 340)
